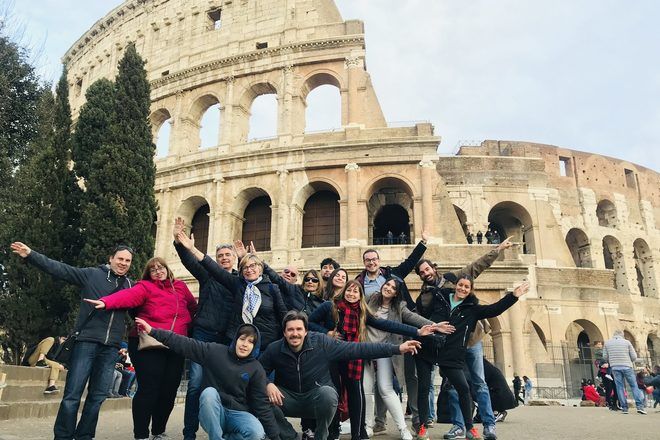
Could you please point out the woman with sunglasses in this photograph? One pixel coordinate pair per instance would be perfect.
(164, 303)
(304, 298)
(346, 317)
(336, 283)
(256, 300)
(388, 304)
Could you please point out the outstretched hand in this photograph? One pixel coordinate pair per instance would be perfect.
(239, 247)
(179, 226)
(410, 347)
(445, 327)
(143, 325)
(186, 241)
(21, 249)
(97, 303)
(506, 244)
(521, 290)
(426, 330)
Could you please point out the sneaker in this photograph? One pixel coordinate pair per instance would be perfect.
(641, 411)
(500, 416)
(473, 434)
(624, 411)
(456, 432)
(379, 429)
(308, 434)
(162, 436)
(42, 363)
(51, 390)
(345, 427)
(429, 423)
(370, 432)
(422, 434)
(405, 434)
(489, 432)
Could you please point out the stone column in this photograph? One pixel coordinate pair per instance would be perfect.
(352, 203)
(215, 217)
(227, 127)
(164, 224)
(426, 172)
(354, 65)
(286, 112)
(515, 316)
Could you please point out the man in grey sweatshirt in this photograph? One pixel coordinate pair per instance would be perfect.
(619, 353)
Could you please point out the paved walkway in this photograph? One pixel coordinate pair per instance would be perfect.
(562, 423)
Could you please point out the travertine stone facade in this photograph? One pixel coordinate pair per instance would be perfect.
(587, 225)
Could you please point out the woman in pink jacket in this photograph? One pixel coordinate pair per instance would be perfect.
(164, 303)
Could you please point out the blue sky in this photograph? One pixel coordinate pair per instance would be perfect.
(581, 74)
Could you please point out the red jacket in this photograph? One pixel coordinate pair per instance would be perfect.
(157, 302)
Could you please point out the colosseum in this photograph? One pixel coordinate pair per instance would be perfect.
(586, 225)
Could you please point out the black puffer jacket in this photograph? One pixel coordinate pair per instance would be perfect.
(310, 369)
(215, 301)
(271, 312)
(107, 326)
(241, 383)
(433, 304)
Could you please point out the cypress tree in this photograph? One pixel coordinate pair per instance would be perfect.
(121, 207)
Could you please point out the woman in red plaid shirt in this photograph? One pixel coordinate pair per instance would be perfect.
(346, 317)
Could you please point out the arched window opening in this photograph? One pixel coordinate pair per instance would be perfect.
(629, 336)
(540, 334)
(462, 219)
(321, 220)
(209, 131)
(579, 336)
(256, 226)
(391, 226)
(606, 213)
(644, 268)
(163, 139)
(510, 219)
(580, 248)
(323, 109)
(200, 227)
(263, 117)
(653, 348)
(584, 346)
(613, 259)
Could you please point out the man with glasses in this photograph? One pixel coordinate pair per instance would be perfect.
(290, 274)
(372, 278)
(95, 350)
(210, 323)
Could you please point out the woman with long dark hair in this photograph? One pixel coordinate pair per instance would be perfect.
(165, 303)
(336, 283)
(346, 317)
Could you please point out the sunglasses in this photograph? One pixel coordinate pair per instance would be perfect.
(290, 272)
(311, 280)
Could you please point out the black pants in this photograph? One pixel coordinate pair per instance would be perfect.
(518, 398)
(158, 374)
(457, 378)
(356, 403)
(610, 393)
(424, 369)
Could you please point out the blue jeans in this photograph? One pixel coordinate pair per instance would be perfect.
(226, 424)
(627, 375)
(474, 358)
(93, 362)
(432, 397)
(191, 411)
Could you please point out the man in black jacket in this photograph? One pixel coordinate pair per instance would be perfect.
(93, 356)
(210, 323)
(234, 401)
(303, 387)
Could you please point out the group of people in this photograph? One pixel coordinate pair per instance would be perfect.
(492, 236)
(264, 348)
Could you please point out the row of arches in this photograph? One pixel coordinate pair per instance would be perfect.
(257, 113)
(580, 247)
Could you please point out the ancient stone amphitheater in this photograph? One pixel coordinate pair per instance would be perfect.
(587, 225)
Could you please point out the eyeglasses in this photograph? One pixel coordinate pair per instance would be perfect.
(311, 280)
(371, 260)
(252, 266)
(156, 269)
(290, 272)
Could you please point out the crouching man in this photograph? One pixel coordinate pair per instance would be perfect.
(233, 403)
(303, 387)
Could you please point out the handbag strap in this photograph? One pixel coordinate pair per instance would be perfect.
(93, 312)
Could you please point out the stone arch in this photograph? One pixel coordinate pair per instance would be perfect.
(196, 212)
(321, 219)
(161, 125)
(579, 326)
(390, 196)
(613, 258)
(540, 334)
(580, 336)
(462, 219)
(252, 207)
(653, 348)
(511, 219)
(204, 130)
(644, 268)
(318, 184)
(580, 247)
(319, 78)
(606, 213)
(245, 103)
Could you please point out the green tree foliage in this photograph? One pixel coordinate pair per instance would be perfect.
(120, 204)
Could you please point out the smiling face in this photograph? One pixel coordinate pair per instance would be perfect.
(251, 268)
(290, 274)
(225, 258)
(427, 273)
(310, 282)
(158, 272)
(326, 270)
(353, 293)
(339, 280)
(244, 346)
(120, 262)
(388, 290)
(463, 289)
(295, 333)
(371, 262)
